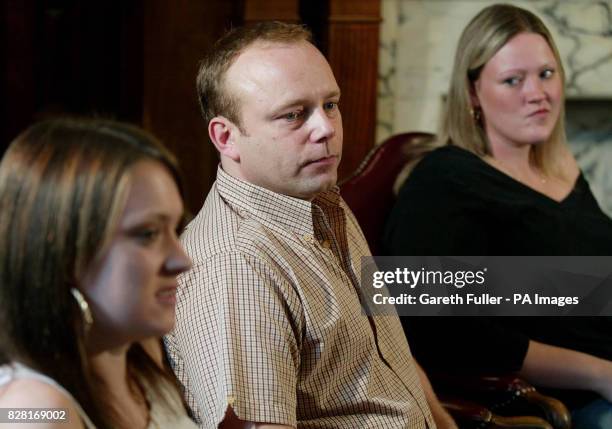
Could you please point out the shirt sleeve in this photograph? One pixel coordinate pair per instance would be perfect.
(238, 333)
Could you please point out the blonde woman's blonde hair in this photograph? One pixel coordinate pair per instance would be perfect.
(486, 34)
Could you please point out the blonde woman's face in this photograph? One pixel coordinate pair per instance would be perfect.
(132, 287)
(520, 92)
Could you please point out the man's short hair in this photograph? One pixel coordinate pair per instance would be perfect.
(215, 99)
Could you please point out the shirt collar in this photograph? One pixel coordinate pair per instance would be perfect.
(290, 213)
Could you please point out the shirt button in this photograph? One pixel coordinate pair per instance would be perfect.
(325, 244)
(308, 238)
(230, 400)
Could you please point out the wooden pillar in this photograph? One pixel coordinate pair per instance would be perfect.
(351, 46)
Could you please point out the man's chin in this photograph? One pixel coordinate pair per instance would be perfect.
(316, 187)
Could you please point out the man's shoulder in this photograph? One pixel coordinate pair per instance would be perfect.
(213, 229)
(222, 230)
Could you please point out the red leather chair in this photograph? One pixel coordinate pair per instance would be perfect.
(474, 401)
(369, 190)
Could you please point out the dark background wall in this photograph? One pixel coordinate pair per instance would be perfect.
(136, 61)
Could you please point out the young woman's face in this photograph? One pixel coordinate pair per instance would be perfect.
(520, 92)
(132, 287)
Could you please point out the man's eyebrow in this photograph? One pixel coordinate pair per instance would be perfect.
(301, 101)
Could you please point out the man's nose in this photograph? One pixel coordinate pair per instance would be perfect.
(322, 126)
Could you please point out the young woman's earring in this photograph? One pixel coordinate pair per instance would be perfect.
(84, 307)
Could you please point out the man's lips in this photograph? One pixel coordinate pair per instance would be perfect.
(321, 161)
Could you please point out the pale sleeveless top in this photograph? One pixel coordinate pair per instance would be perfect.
(16, 371)
(166, 411)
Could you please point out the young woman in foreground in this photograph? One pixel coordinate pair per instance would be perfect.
(89, 256)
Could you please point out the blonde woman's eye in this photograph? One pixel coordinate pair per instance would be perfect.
(547, 74)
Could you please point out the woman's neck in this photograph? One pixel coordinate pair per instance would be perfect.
(515, 161)
(125, 393)
(516, 157)
(110, 366)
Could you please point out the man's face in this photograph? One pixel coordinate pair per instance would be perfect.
(291, 130)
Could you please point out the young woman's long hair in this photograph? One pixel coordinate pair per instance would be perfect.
(62, 187)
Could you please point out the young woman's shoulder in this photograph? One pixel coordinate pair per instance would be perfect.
(447, 159)
(447, 167)
(31, 393)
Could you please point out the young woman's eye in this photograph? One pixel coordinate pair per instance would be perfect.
(146, 235)
(512, 81)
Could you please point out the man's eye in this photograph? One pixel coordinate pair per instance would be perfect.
(330, 105)
(292, 116)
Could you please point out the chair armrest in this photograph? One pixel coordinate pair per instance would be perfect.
(553, 409)
(482, 383)
(469, 414)
(522, 422)
(505, 394)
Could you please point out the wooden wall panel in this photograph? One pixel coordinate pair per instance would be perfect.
(17, 38)
(138, 62)
(352, 50)
(78, 58)
(176, 35)
(271, 10)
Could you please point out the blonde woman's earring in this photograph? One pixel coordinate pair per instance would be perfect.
(476, 113)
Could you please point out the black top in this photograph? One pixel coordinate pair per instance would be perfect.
(454, 203)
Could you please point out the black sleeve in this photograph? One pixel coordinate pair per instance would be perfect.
(436, 215)
(465, 345)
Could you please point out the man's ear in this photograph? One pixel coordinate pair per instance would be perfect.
(223, 134)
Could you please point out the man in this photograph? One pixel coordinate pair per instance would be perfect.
(270, 332)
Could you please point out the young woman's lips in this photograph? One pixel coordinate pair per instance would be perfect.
(167, 296)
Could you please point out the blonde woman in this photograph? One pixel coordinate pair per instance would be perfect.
(503, 182)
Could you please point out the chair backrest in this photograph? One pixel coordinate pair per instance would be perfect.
(369, 190)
